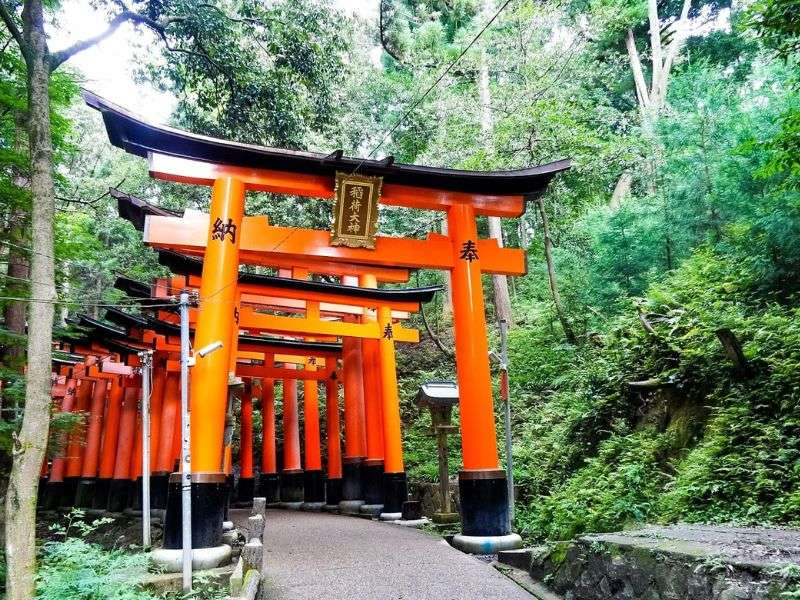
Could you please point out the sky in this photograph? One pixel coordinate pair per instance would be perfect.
(108, 67)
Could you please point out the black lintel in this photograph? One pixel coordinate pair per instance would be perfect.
(136, 136)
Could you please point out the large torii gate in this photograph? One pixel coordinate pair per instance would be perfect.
(226, 238)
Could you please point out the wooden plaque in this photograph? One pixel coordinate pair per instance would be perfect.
(355, 211)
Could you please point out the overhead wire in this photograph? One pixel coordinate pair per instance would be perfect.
(431, 87)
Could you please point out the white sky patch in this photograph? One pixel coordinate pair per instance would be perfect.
(109, 66)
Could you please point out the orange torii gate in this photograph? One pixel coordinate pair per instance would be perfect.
(225, 238)
(339, 301)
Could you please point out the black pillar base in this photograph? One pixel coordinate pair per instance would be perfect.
(136, 496)
(269, 487)
(292, 489)
(208, 507)
(484, 503)
(101, 489)
(159, 482)
(69, 491)
(333, 491)
(119, 493)
(372, 481)
(351, 478)
(54, 490)
(230, 481)
(314, 484)
(244, 491)
(84, 496)
(395, 492)
(40, 493)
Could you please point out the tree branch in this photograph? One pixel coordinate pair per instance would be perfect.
(636, 67)
(655, 45)
(8, 19)
(674, 47)
(382, 30)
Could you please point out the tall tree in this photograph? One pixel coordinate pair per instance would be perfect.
(180, 27)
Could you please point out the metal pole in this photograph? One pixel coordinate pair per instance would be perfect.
(504, 393)
(146, 358)
(186, 471)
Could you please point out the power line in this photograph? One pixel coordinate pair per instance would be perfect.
(419, 100)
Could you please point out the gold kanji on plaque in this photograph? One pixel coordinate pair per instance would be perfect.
(355, 211)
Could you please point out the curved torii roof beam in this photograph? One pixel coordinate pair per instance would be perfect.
(312, 173)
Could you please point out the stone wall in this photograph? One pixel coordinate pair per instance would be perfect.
(428, 494)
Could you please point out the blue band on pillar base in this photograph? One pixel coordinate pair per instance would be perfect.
(372, 481)
(333, 491)
(484, 503)
(159, 482)
(292, 485)
(119, 492)
(351, 478)
(269, 487)
(209, 491)
(245, 490)
(395, 492)
(314, 483)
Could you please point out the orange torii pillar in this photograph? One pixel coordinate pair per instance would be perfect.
(84, 497)
(333, 484)
(372, 468)
(119, 492)
(291, 479)
(354, 430)
(156, 401)
(108, 453)
(268, 483)
(74, 457)
(209, 376)
(314, 480)
(55, 481)
(482, 482)
(246, 485)
(395, 488)
(163, 446)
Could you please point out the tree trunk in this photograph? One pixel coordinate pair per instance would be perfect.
(551, 275)
(29, 447)
(502, 300)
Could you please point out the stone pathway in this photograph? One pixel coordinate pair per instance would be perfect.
(319, 555)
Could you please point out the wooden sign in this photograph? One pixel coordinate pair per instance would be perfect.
(355, 212)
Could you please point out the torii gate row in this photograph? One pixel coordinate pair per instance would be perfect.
(231, 169)
(374, 370)
(116, 412)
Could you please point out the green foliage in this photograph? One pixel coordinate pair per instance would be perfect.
(75, 568)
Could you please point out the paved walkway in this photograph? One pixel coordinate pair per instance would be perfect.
(319, 555)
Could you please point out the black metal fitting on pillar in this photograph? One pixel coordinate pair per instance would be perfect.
(372, 481)
(159, 482)
(209, 492)
(102, 487)
(245, 490)
(484, 503)
(84, 495)
(229, 485)
(351, 478)
(69, 491)
(395, 492)
(292, 485)
(314, 484)
(119, 492)
(333, 491)
(269, 487)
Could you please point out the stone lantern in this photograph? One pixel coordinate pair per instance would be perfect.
(440, 397)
